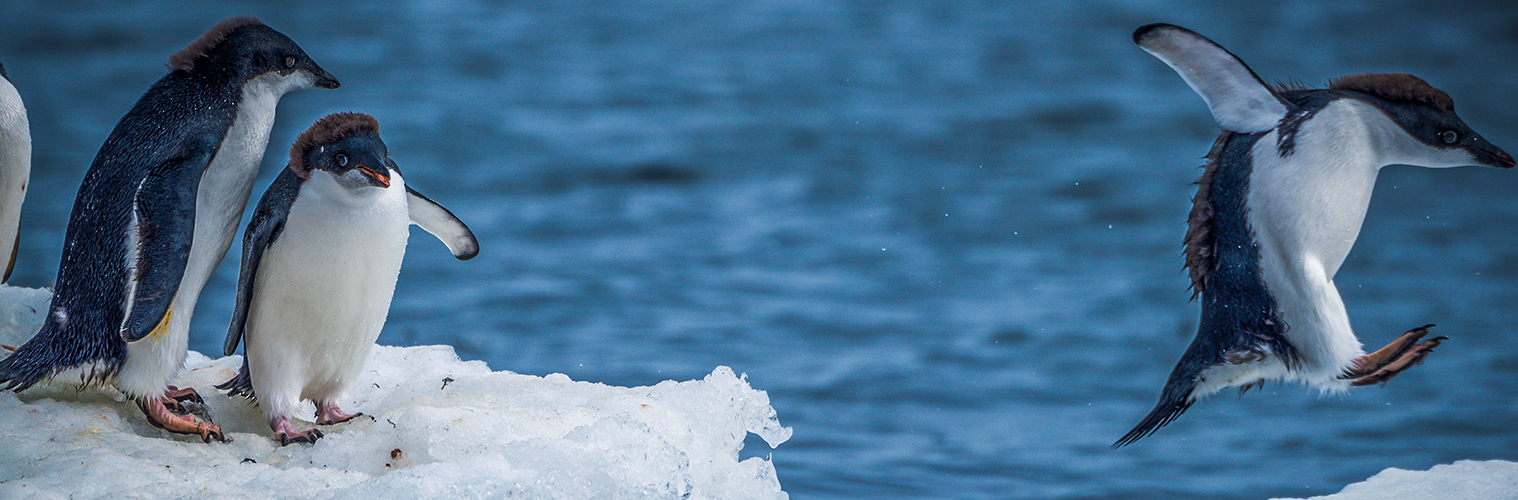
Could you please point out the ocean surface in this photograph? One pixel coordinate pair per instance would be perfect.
(944, 236)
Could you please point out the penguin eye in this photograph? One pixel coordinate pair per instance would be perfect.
(342, 160)
(289, 61)
(1449, 137)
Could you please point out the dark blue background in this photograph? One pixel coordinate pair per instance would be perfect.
(944, 236)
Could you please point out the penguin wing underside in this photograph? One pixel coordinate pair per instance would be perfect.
(1238, 99)
(442, 224)
(163, 226)
(268, 221)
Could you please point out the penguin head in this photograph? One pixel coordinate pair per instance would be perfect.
(1434, 135)
(346, 148)
(243, 48)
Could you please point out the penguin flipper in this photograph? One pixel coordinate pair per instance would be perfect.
(160, 234)
(15, 247)
(442, 224)
(268, 221)
(1238, 99)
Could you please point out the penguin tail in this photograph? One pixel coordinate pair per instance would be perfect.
(22, 370)
(49, 352)
(1177, 397)
(241, 385)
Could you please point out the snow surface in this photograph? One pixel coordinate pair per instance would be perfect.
(480, 434)
(1463, 480)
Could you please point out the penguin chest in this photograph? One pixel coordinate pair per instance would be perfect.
(15, 171)
(1309, 205)
(322, 292)
(225, 186)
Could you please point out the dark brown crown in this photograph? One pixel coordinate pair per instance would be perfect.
(184, 60)
(329, 129)
(1396, 87)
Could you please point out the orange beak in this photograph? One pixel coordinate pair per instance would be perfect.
(380, 179)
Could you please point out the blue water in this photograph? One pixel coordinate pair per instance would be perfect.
(944, 236)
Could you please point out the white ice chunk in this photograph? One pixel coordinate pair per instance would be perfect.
(482, 434)
(1462, 480)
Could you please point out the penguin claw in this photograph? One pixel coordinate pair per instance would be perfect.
(182, 395)
(1403, 353)
(158, 413)
(333, 415)
(308, 437)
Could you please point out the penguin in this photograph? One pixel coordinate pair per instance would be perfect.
(156, 213)
(1280, 202)
(15, 170)
(319, 263)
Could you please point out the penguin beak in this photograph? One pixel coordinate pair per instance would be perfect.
(320, 77)
(376, 178)
(1492, 155)
(324, 79)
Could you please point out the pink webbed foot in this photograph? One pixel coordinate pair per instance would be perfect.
(330, 414)
(288, 434)
(158, 411)
(1396, 357)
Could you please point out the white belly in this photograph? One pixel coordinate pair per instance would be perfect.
(1306, 210)
(321, 296)
(15, 167)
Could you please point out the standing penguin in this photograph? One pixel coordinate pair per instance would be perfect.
(156, 213)
(15, 170)
(1278, 207)
(319, 264)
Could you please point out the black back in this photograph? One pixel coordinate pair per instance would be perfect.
(1239, 315)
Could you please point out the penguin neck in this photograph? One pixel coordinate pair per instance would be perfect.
(325, 188)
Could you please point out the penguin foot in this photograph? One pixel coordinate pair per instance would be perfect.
(158, 413)
(329, 415)
(1404, 352)
(287, 433)
(182, 395)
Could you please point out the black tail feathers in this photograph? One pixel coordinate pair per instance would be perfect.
(22, 370)
(241, 385)
(1176, 398)
(49, 352)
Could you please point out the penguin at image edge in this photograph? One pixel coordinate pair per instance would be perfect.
(1280, 202)
(155, 214)
(320, 260)
(15, 170)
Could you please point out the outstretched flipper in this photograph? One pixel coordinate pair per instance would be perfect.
(1396, 357)
(1238, 99)
(158, 240)
(442, 224)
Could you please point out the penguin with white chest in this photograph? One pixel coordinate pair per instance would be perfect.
(319, 264)
(154, 216)
(15, 170)
(1281, 200)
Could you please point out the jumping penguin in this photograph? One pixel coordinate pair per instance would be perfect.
(319, 264)
(155, 214)
(1283, 193)
(15, 170)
